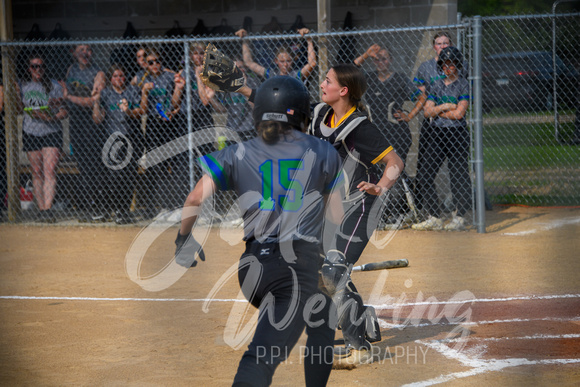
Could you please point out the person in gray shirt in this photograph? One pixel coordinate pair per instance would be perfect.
(117, 111)
(41, 99)
(83, 82)
(446, 138)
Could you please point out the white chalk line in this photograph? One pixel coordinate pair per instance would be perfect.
(464, 301)
(490, 366)
(533, 337)
(384, 306)
(384, 324)
(121, 299)
(545, 226)
(481, 366)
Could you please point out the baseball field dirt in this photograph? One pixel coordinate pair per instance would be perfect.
(90, 305)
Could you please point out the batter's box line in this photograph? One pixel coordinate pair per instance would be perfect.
(533, 337)
(478, 366)
(384, 324)
(475, 300)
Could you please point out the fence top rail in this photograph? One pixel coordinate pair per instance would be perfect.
(208, 39)
(542, 16)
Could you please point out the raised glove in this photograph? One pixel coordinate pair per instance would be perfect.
(220, 72)
(186, 247)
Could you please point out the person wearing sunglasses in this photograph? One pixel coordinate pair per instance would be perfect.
(118, 110)
(41, 99)
(83, 82)
(164, 93)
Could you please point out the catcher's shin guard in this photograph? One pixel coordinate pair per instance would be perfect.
(372, 328)
(335, 272)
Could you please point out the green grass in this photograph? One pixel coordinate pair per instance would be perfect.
(524, 164)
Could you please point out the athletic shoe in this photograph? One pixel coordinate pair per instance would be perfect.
(98, 216)
(456, 224)
(354, 358)
(432, 223)
(174, 217)
(124, 217)
(46, 216)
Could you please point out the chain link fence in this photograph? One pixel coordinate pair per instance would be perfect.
(530, 102)
(127, 153)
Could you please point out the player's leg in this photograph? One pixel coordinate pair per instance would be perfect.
(458, 159)
(281, 292)
(350, 242)
(432, 160)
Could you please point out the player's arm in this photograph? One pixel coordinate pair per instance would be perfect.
(393, 168)
(204, 188)
(370, 52)
(334, 209)
(308, 67)
(247, 54)
(98, 112)
(457, 113)
(431, 110)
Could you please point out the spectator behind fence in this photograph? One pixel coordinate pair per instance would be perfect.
(118, 109)
(427, 74)
(387, 91)
(446, 138)
(141, 74)
(83, 82)
(283, 59)
(203, 102)
(41, 100)
(165, 88)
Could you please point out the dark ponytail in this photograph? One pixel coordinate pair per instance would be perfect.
(351, 77)
(271, 131)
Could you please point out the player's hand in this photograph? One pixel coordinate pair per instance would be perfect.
(241, 33)
(186, 247)
(371, 189)
(373, 50)
(402, 116)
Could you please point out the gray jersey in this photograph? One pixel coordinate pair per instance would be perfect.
(159, 101)
(278, 185)
(428, 73)
(115, 119)
(455, 92)
(34, 97)
(80, 83)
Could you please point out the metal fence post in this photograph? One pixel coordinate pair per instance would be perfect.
(477, 120)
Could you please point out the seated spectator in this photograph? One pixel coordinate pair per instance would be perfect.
(41, 99)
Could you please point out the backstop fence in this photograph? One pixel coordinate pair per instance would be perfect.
(102, 130)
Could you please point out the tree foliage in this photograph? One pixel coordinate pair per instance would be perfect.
(512, 7)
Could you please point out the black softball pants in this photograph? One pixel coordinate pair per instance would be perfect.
(439, 144)
(281, 290)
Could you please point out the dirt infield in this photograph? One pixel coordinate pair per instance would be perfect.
(501, 308)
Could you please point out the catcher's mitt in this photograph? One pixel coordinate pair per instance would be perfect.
(220, 72)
